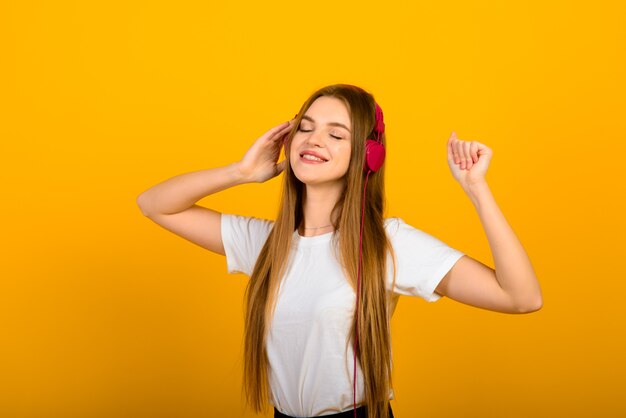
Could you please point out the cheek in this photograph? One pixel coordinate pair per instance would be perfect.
(291, 153)
(292, 145)
(346, 154)
(342, 159)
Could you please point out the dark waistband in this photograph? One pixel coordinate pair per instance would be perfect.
(361, 412)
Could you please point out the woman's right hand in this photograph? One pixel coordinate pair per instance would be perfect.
(260, 163)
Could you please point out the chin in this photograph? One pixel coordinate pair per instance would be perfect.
(312, 177)
(311, 180)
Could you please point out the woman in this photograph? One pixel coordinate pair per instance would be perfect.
(331, 253)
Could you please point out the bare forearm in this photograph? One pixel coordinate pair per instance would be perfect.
(183, 191)
(513, 268)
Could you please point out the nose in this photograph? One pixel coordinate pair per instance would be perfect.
(315, 139)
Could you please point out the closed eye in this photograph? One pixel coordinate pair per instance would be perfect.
(302, 130)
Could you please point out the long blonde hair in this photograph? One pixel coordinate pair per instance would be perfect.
(374, 342)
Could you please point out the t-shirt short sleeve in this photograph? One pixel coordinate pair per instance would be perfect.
(243, 238)
(422, 260)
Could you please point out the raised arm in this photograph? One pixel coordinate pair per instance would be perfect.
(512, 287)
(172, 203)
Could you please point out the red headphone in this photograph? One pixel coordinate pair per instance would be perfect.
(374, 149)
(374, 159)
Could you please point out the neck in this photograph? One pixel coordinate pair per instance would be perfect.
(318, 203)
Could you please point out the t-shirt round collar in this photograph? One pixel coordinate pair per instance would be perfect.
(317, 239)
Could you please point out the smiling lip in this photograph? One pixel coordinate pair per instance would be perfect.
(305, 161)
(313, 153)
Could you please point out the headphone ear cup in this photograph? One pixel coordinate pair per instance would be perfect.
(374, 155)
(380, 124)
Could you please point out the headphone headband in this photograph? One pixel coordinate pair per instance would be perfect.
(374, 149)
(380, 123)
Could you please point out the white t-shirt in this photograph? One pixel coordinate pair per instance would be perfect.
(311, 373)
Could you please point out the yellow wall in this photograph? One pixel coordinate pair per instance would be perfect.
(105, 314)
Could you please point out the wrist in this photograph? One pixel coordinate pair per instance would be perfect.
(238, 175)
(477, 186)
(476, 190)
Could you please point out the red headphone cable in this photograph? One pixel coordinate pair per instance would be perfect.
(358, 293)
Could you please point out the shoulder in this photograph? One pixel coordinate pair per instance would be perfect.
(243, 238)
(396, 225)
(392, 224)
(250, 225)
(253, 220)
(401, 233)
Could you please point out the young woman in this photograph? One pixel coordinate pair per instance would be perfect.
(326, 275)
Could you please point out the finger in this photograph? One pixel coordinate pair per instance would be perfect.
(278, 135)
(474, 151)
(452, 147)
(282, 135)
(449, 148)
(466, 153)
(280, 140)
(462, 158)
(457, 152)
(459, 148)
(453, 150)
(280, 166)
(276, 129)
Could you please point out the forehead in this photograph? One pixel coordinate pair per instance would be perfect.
(327, 109)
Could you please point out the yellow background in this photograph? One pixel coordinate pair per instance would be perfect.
(105, 314)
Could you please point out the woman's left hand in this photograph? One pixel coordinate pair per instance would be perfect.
(468, 160)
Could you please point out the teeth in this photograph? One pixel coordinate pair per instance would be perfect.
(311, 157)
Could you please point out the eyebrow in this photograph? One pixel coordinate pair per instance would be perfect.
(329, 123)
